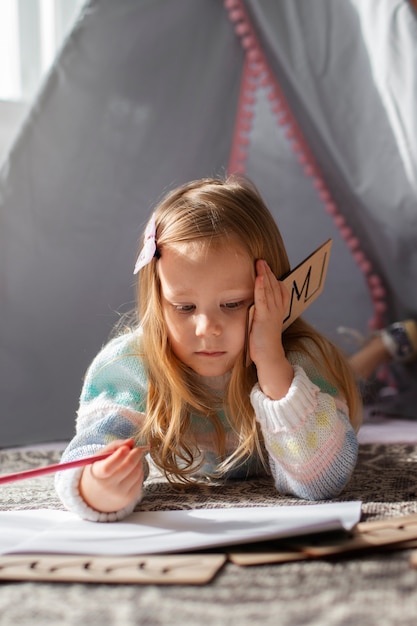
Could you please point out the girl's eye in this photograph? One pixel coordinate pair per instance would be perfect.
(234, 305)
(184, 308)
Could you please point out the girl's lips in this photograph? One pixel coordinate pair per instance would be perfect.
(210, 354)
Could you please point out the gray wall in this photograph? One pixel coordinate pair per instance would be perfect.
(144, 97)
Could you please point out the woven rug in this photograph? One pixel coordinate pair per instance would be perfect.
(374, 588)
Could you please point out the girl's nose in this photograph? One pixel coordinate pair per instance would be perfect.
(207, 324)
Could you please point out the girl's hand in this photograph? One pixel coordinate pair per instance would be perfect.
(113, 483)
(271, 298)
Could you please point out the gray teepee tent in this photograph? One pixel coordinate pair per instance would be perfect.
(314, 100)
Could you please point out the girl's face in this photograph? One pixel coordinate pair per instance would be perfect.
(205, 300)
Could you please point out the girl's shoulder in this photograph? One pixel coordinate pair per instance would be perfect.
(125, 344)
(304, 352)
(122, 352)
(308, 358)
(117, 372)
(303, 358)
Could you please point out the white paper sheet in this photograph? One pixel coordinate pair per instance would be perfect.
(162, 532)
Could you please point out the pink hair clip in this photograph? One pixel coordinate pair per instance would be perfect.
(149, 247)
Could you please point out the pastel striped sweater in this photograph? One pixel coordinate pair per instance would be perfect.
(312, 447)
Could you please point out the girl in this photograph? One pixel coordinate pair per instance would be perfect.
(203, 390)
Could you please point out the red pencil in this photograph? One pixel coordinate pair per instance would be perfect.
(56, 467)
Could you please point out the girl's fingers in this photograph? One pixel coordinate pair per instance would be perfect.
(260, 285)
(119, 464)
(111, 484)
(131, 464)
(133, 481)
(129, 475)
(268, 290)
(285, 295)
(107, 467)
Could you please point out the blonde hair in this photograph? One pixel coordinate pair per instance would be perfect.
(207, 213)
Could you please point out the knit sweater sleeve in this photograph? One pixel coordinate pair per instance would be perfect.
(112, 406)
(311, 444)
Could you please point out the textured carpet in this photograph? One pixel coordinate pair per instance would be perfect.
(375, 588)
